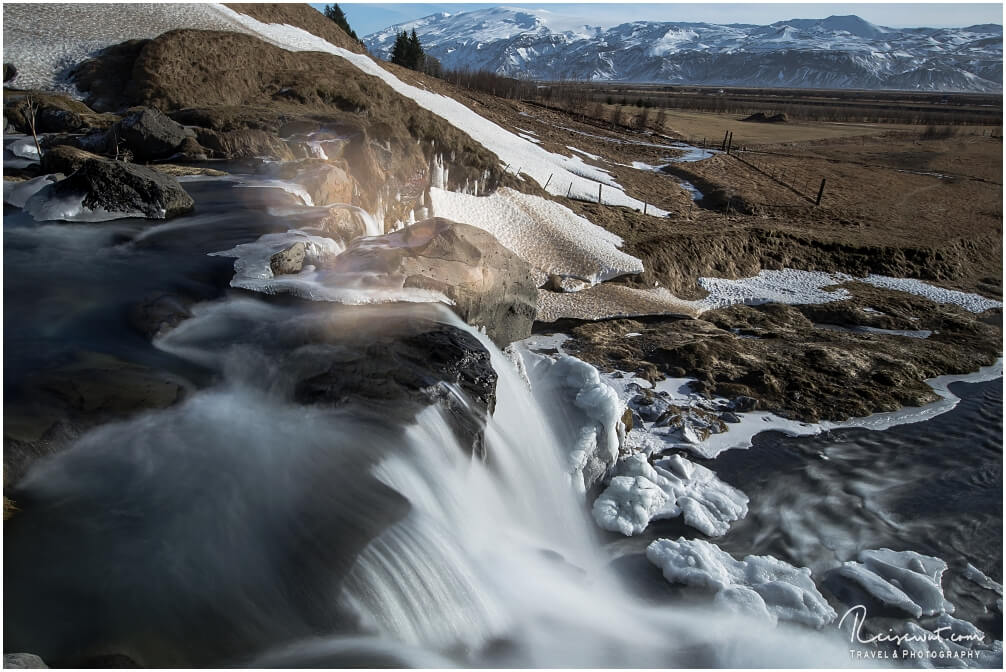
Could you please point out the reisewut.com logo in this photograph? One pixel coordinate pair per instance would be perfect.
(939, 644)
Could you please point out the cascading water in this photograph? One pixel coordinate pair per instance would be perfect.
(243, 526)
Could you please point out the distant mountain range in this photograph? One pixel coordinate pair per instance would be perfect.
(836, 52)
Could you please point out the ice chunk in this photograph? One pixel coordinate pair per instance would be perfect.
(672, 487)
(904, 580)
(972, 573)
(788, 592)
(24, 148)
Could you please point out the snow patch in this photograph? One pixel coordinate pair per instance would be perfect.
(549, 236)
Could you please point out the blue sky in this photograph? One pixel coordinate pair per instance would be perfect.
(366, 18)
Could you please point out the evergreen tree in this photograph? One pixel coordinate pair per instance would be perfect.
(334, 12)
(415, 52)
(398, 52)
(408, 52)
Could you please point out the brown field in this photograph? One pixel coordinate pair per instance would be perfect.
(880, 211)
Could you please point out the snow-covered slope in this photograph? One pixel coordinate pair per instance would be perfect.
(839, 51)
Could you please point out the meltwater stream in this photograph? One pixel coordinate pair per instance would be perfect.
(240, 527)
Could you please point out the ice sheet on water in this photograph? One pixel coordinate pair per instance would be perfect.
(669, 488)
(905, 580)
(24, 148)
(253, 271)
(549, 236)
(788, 592)
(44, 206)
(18, 193)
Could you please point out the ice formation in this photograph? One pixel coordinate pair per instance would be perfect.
(18, 193)
(252, 271)
(787, 592)
(671, 487)
(549, 236)
(44, 207)
(951, 642)
(590, 425)
(975, 575)
(904, 580)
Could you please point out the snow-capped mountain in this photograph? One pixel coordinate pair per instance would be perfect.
(836, 52)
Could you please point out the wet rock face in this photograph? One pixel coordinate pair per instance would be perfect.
(118, 187)
(438, 364)
(288, 261)
(489, 285)
(149, 134)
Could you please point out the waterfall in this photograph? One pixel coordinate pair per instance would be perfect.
(241, 527)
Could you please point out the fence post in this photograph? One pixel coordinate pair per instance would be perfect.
(644, 207)
(547, 181)
(820, 192)
(598, 193)
(723, 147)
(568, 189)
(730, 141)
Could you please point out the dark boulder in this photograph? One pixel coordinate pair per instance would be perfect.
(436, 363)
(149, 134)
(158, 313)
(54, 113)
(119, 189)
(9, 73)
(243, 144)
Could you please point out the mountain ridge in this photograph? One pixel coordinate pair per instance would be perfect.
(836, 51)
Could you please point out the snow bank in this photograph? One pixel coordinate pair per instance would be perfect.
(785, 286)
(761, 583)
(533, 161)
(670, 488)
(971, 302)
(74, 32)
(904, 580)
(807, 287)
(549, 236)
